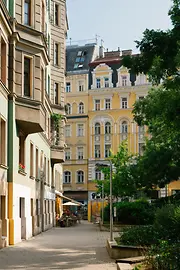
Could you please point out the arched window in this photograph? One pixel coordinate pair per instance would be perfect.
(67, 177)
(98, 174)
(124, 127)
(68, 108)
(97, 129)
(80, 177)
(108, 128)
(81, 107)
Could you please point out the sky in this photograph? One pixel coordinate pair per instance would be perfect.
(117, 22)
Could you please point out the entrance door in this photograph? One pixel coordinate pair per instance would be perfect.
(22, 216)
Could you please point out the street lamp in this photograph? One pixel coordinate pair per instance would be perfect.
(111, 201)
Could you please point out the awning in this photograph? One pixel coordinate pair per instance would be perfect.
(66, 198)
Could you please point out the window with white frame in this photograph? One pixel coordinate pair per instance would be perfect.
(108, 128)
(124, 103)
(81, 86)
(107, 150)
(67, 177)
(97, 151)
(80, 153)
(106, 82)
(68, 87)
(98, 175)
(97, 105)
(68, 111)
(67, 154)
(80, 177)
(141, 148)
(124, 80)
(67, 131)
(97, 129)
(124, 127)
(80, 130)
(107, 103)
(81, 107)
(98, 83)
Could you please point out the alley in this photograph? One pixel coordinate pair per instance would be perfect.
(80, 247)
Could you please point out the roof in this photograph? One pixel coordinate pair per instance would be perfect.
(79, 57)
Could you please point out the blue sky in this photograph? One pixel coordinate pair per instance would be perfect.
(117, 22)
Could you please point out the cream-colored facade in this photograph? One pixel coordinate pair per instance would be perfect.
(32, 97)
(108, 120)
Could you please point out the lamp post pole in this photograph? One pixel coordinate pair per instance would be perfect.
(111, 204)
(102, 203)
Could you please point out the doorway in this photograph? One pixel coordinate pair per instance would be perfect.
(22, 216)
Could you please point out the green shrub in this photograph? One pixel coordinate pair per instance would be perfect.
(139, 236)
(134, 213)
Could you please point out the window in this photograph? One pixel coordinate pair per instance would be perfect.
(97, 174)
(107, 150)
(42, 84)
(124, 103)
(27, 12)
(68, 131)
(56, 93)
(97, 129)
(81, 86)
(68, 87)
(80, 57)
(108, 128)
(67, 154)
(67, 177)
(56, 14)
(45, 168)
(80, 177)
(124, 80)
(141, 148)
(106, 82)
(2, 141)
(107, 104)
(81, 108)
(68, 108)
(97, 151)
(56, 54)
(3, 61)
(98, 83)
(31, 159)
(141, 129)
(27, 77)
(22, 151)
(80, 153)
(43, 17)
(97, 105)
(80, 130)
(37, 163)
(48, 172)
(124, 127)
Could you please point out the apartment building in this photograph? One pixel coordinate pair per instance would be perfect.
(32, 77)
(100, 118)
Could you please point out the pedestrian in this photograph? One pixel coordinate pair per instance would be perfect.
(79, 216)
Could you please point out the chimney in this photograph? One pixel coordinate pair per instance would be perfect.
(126, 52)
(101, 50)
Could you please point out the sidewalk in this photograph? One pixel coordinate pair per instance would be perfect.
(79, 247)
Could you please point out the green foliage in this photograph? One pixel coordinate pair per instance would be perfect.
(133, 213)
(173, 199)
(56, 118)
(139, 236)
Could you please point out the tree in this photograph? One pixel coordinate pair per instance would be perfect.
(160, 110)
(122, 184)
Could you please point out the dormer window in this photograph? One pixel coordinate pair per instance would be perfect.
(124, 80)
(106, 82)
(98, 83)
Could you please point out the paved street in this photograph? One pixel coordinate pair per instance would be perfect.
(80, 247)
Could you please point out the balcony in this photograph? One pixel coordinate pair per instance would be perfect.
(57, 143)
(30, 115)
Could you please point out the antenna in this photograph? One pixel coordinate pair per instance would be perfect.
(97, 36)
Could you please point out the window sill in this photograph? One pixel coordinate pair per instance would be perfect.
(3, 166)
(66, 183)
(80, 183)
(21, 172)
(32, 177)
